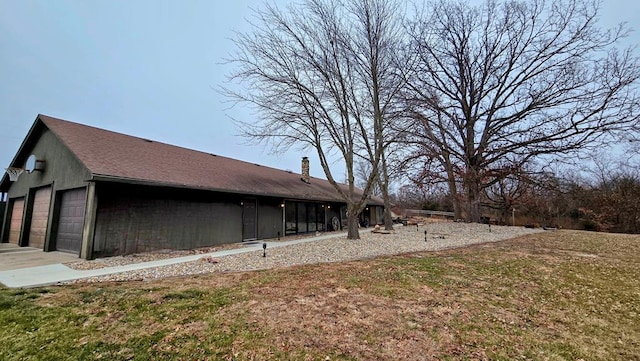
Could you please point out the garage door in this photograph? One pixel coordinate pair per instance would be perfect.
(71, 221)
(16, 220)
(39, 217)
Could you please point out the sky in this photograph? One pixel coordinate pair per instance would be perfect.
(148, 68)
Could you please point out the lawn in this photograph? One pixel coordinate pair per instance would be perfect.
(562, 295)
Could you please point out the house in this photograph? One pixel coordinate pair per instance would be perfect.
(98, 193)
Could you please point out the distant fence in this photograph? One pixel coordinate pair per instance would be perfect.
(430, 214)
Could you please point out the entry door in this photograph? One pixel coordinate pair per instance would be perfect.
(16, 220)
(40, 217)
(71, 220)
(249, 217)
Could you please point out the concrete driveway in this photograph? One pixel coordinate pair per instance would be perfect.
(14, 257)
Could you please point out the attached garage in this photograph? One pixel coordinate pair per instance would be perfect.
(16, 220)
(71, 220)
(40, 217)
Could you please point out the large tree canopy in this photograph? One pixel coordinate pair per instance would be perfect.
(497, 85)
(321, 76)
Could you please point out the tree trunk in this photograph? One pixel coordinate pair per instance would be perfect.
(472, 190)
(352, 224)
(451, 183)
(388, 220)
(455, 199)
(384, 187)
(473, 206)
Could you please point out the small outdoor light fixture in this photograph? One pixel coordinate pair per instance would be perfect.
(264, 250)
(425, 235)
(281, 205)
(417, 227)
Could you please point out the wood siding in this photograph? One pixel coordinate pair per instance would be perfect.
(249, 219)
(269, 218)
(133, 219)
(15, 225)
(40, 217)
(62, 168)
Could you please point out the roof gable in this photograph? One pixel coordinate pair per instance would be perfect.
(32, 143)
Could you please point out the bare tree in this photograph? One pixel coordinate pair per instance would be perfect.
(499, 85)
(321, 76)
(505, 194)
(387, 173)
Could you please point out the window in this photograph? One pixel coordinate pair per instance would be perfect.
(301, 217)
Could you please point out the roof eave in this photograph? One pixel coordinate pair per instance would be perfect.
(137, 181)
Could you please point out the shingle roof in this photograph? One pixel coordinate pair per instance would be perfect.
(114, 156)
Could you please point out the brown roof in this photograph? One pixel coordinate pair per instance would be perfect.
(118, 157)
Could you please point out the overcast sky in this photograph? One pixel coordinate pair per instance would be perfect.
(142, 67)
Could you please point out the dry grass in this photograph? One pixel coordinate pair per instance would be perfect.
(549, 296)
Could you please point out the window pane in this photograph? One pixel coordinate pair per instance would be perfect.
(320, 217)
(312, 216)
(302, 217)
(290, 218)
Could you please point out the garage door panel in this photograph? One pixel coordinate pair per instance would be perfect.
(39, 217)
(16, 221)
(71, 221)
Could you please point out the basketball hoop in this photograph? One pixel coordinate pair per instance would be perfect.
(14, 173)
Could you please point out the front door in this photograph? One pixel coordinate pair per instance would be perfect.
(249, 218)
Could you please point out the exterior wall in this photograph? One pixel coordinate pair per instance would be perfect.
(132, 219)
(62, 171)
(269, 218)
(61, 167)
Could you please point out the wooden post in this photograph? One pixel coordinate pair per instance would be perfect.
(88, 230)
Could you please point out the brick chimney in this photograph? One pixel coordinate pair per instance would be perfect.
(305, 170)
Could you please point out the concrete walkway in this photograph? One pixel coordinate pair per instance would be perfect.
(50, 274)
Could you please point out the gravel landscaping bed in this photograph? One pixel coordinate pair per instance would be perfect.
(166, 253)
(407, 239)
(144, 257)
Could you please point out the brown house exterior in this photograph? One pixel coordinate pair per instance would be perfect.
(98, 193)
